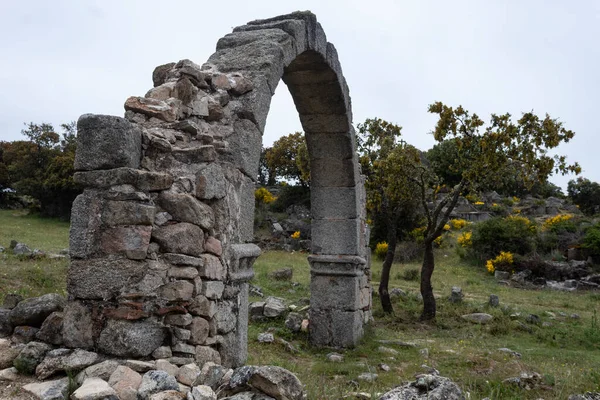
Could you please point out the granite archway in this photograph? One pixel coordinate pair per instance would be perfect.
(161, 237)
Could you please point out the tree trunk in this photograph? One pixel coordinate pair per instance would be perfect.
(429, 308)
(384, 295)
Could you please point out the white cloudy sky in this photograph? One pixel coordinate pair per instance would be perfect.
(64, 58)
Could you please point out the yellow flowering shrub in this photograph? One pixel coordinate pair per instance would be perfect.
(465, 239)
(458, 223)
(479, 203)
(438, 241)
(381, 250)
(504, 259)
(446, 227)
(296, 235)
(553, 222)
(262, 195)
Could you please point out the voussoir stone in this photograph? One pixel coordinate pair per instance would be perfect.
(186, 208)
(33, 312)
(131, 339)
(182, 238)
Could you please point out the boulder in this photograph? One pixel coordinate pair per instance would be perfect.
(274, 307)
(154, 382)
(294, 322)
(95, 389)
(51, 330)
(6, 328)
(426, 387)
(187, 374)
(203, 392)
(101, 370)
(284, 274)
(11, 300)
(8, 353)
(478, 318)
(21, 249)
(49, 390)
(29, 358)
(65, 360)
(34, 311)
(24, 334)
(277, 382)
(456, 296)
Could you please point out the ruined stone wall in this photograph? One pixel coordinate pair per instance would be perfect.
(159, 238)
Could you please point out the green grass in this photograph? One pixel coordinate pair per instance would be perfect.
(32, 277)
(566, 354)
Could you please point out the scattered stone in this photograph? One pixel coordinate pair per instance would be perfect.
(388, 350)
(509, 351)
(265, 337)
(426, 386)
(256, 291)
(94, 389)
(527, 380)
(203, 392)
(294, 322)
(49, 390)
(21, 249)
(384, 367)
(424, 352)
(397, 342)
(574, 316)
(494, 300)
(33, 311)
(456, 296)
(478, 318)
(274, 307)
(586, 396)
(501, 275)
(368, 377)
(335, 357)
(397, 292)
(284, 274)
(290, 348)
(276, 382)
(9, 374)
(533, 319)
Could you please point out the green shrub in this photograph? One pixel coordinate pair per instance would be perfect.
(591, 240)
(289, 195)
(411, 274)
(514, 234)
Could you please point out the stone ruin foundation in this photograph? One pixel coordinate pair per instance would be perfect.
(160, 240)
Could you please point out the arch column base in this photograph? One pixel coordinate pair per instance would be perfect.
(340, 301)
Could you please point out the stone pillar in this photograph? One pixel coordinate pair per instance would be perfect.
(340, 300)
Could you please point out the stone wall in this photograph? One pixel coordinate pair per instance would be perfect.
(159, 237)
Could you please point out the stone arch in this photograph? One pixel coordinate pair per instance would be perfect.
(160, 238)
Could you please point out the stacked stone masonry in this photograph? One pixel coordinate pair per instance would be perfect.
(159, 241)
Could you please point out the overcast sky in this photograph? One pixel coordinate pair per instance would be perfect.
(61, 59)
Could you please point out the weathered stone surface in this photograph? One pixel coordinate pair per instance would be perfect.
(21, 249)
(185, 208)
(159, 75)
(195, 155)
(6, 328)
(162, 352)
(164, 365)
(9, 374)
(101, 370)
(205, 354)
(34, 311)
(142, 180)
(24, 334)
(183, 238)
(49, 390)
(277, 382)
(203, 307)
(274, 307)
(130, 339)
(8, 353)
(30, 356)
(294, 322)
(169, 395)
(183, 272)
(94, 389)
(77, 326)
(213, 245)
(51, 330)
(105, 142)
(199, 329)
(478, 318)
(140, 366)
(212, 268)
(211, 183)
(212, 289)
(65, 360)
(177, 291)
(11, 300)
(431, 387)
(128, 213)
(179, 320)
(187, 374)
(245, 145)
(102, 278)
(125, 382)
(154, 382)
(164, 110)
(130, 241)
(456, 296)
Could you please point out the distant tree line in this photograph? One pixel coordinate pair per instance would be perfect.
(41, 168)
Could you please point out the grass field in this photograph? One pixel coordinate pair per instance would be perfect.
(566, 353)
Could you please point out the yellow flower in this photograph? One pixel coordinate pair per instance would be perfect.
(556, 220)
(479, 203)
(381, 250)
(264, 196)
(464, 240)
(489, 265)
(438, 241)
(296, 235)
(458, 223)
(446, 227)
